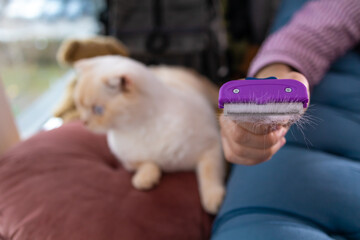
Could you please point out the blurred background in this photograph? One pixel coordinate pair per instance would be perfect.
(218, 38)
(30, 34)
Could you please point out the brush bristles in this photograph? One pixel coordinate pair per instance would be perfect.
(268, 109)
(265, 113)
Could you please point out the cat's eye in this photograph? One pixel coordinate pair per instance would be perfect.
(98, 110)
(117, 83)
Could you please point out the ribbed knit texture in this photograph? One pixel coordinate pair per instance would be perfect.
(319, 33)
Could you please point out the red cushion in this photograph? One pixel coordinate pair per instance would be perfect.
(65, 184)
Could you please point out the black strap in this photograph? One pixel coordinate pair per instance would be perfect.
(157, 41)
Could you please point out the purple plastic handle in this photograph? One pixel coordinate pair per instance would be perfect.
(262, 91)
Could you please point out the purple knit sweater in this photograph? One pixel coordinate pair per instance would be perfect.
(318, 34)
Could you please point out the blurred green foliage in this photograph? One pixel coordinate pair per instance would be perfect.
(25, 82)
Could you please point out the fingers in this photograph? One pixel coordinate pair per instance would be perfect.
(297, 76)
(258, 129)
(251, 143)
(301, 78)
(260, 138)
(249, 156)
(247, 139)
(250, 147)
(283, 71)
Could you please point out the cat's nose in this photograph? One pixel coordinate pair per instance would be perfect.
(85, 122)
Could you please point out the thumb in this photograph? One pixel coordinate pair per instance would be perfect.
(299, 77)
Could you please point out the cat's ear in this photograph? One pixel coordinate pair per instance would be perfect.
(83, 65)
(118, 83)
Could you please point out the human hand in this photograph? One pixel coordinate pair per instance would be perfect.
(283, 71)
(251, 143)
(248, 143)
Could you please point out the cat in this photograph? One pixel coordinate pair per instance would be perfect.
(156, 119)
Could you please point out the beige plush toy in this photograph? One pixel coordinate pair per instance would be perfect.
(73, 50)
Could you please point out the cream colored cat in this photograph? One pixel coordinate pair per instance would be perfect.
(156, 119)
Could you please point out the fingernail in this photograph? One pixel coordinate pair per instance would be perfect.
(281, 132)
(283, 141)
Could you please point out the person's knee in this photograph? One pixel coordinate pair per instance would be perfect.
(265, 227)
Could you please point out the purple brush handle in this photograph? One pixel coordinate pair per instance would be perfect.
(262, 91)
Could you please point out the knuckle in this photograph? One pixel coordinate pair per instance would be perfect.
(234, 157)
(240, 137)
(239, 151)
(251, 162)
(270, 140)
(267, 154)
(268, 157)
(270, 152)
(229, 156)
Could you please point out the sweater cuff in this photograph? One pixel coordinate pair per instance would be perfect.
(303, 60)
(264, 60)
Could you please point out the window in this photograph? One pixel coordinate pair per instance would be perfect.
(30, 34)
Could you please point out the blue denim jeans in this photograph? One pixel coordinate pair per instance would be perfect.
(310, 189)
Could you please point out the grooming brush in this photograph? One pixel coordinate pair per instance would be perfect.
(265, 100)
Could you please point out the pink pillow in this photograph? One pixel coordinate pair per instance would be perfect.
(65, 184)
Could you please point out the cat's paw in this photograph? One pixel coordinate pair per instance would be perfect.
(212, 198)
(145, 180)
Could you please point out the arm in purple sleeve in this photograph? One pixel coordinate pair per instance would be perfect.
(318, 34)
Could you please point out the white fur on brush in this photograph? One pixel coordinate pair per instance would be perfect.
(269, 113)
(156, 119)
